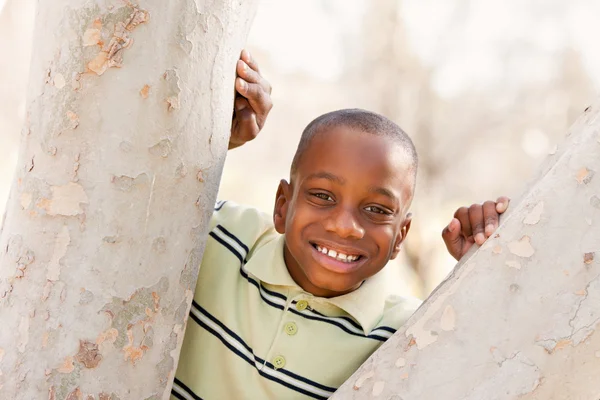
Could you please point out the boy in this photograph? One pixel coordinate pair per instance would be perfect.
(289, 306)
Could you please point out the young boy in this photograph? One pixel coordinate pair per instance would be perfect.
(288, 306)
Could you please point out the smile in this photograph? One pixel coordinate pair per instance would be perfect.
(337, 255)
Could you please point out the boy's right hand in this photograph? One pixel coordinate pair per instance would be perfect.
(252, 102)
(472, 225)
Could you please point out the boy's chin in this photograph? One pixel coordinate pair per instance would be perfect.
(334, 287)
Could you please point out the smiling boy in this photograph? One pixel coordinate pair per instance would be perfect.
(288, 306)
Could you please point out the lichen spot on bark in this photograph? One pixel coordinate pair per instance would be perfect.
(88, 354)
(125, 314)
(111, 51)
(67, 366)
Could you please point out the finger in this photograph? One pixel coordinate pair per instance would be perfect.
(258, 99)
(247, 73)
(462, 214)
(247, 58)
(453, 239)
(490, 216)
(502, 204)
(477, 223)
(240, 104)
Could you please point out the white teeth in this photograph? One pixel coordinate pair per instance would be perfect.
(338, 256)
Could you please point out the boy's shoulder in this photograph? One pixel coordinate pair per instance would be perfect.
(244, 224)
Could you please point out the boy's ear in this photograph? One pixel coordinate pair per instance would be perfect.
(282, 201)
(402, 235)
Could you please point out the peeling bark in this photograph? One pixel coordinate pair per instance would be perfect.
(520, 317)
(107, 216)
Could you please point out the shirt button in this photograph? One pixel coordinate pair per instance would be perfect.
(290, 328)
(302, 305)
(279, 362)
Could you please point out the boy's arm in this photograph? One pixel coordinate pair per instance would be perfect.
(472, 225)
(252, 101)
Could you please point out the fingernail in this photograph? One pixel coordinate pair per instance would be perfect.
(479, 238)
(243, 84)
(240, 106)
(499, 207)
(450, 228)
(489, 229)
(244, 66)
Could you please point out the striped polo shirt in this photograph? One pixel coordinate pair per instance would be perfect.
(254, 334)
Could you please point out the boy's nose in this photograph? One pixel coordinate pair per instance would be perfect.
(345, 224)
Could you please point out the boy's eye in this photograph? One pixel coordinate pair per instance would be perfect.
(323, 196)
(378, 210)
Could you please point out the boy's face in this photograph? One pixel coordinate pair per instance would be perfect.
(344, 211)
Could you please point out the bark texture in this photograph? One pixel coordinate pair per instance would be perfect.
(128, 122)
(519, 318)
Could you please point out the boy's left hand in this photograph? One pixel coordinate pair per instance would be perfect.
(473, 225)
(252, 102)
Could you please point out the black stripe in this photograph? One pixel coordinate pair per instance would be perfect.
(258, 286)
(339, 325)
(261, 361)
(219, 206)
(274, 294)
(354, 323)
(221, 325)
(386, 328)
(224, 243)
(350, 320)
(177, 395)
(187, 390)
(231, 235)
(295, 376)
(222, 339)
(289, 386)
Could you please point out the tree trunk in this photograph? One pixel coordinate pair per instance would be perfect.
(128, 122)
(519, 318)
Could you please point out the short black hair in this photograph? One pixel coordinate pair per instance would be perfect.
(359, 120)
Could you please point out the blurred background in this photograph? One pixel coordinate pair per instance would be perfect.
(485, 88)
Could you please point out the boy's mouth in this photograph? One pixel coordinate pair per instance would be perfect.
(337, 254)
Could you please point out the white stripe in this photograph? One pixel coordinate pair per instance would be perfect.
(229, 339)
(182, 391)
(282, 302)
(294, 382)
(231, 242)
(239, 346)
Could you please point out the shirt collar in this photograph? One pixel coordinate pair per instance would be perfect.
(365, 304)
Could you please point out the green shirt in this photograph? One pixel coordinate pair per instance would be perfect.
(255, 334)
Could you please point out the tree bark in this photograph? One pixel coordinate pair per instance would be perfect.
(519, 318)
(128, 122)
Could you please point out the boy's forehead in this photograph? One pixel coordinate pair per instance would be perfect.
(350, 152)
(348, 141)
